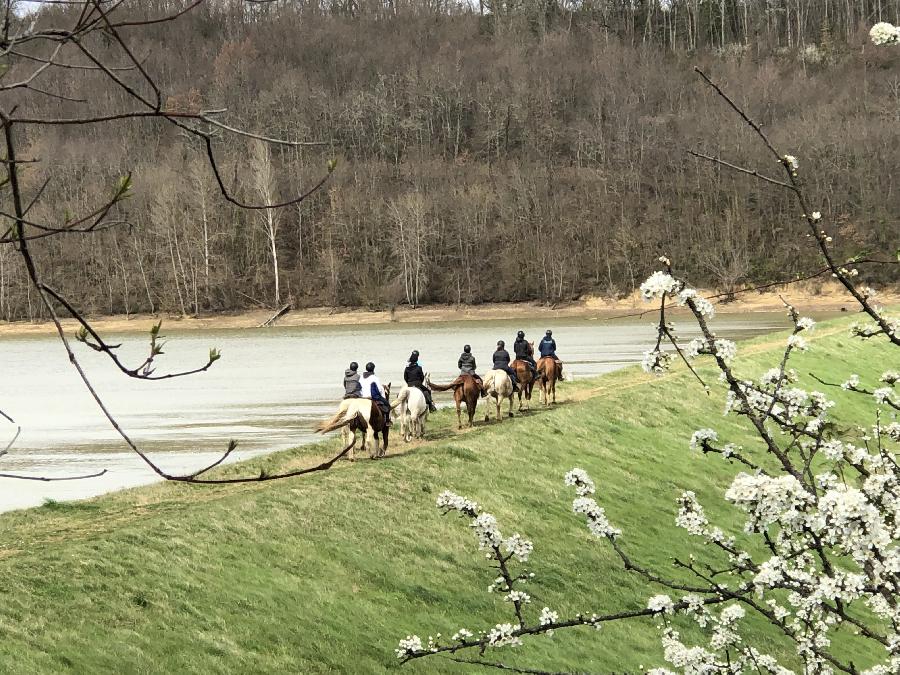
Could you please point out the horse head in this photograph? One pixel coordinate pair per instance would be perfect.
(387, 391)
(531, 348)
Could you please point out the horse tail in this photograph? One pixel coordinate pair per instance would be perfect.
(402, 397)
(458, 382)
(340, 419)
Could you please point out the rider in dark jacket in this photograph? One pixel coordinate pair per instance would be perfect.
(522, 349)
(466, 366)
(501, 362)
(547, 347)
(415, 377)
(352, 386)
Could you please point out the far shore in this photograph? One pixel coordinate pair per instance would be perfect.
(821, 299)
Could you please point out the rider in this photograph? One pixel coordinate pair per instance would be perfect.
(415, 377)
(466, 366)
(501, 362)
(522, 349)
(371, 388)
(352, 386)
(548, 348)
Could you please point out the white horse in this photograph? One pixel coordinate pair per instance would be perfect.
(413, 412)
(498, 385)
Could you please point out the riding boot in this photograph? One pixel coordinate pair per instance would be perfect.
(431, 406)
(560, 378)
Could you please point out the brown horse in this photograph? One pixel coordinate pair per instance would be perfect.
(526, 380)
(360, 414)
(466, 389)
(550, 370)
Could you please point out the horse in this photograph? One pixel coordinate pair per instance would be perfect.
(413, 412)
(550, 370)
(526, 381)
(498, 385)
(360, 414)
(465, 390)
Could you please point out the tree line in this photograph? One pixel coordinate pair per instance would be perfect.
(500, 151)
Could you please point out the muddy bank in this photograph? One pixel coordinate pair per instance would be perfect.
(819, 299)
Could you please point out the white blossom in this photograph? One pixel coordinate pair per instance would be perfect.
(851, 383)
(518, 596)
(548, 616)
(502, 635)
(805, 323)
(659, 284)
(883, 395)
(792, 162)
(884, 33)
(816, 215)
(890, 376)
(798, 343)
(485, 526)
(701, 435)
(449, 500)
(582, 482)
(703, 305)
(661, 604)
(656, 361)
(461, 635)
(412, 644)
(519, 548)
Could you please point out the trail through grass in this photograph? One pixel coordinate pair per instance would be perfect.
(325, 574)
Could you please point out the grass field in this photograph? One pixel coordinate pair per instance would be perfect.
(325, 574)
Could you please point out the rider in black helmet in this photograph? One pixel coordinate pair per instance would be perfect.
(352, 386)
(524, 352)
(501, 362)
(466, 365)
(548, 348)
(414, 376)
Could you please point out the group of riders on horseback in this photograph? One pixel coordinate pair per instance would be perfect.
(368, 385)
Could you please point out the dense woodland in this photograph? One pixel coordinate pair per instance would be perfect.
(486, 152)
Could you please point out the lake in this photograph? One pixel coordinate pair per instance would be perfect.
(269, 389)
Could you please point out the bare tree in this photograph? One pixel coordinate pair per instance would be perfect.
(94, 41)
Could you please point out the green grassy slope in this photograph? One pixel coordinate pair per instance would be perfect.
(325, 574)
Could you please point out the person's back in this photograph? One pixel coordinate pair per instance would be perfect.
(501, 362)
(501, 359)
(466, 362)
(521, 348)
(352, 385)
(413, 375)
(548, 345)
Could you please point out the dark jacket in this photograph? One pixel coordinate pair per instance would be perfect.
(520, 347)
(467, 363)
(413, 375)
(352, 386)
(501, 359)
(547, 347)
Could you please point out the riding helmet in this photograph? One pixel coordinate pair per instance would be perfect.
(520, 334)
(467, 349)
(549, 333)
(414, 356)
(354, 365)
(501, 344)
(370, 367)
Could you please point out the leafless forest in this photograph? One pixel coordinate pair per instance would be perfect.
(527, 150)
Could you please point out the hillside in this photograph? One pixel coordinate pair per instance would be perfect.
(326, 574)
(480, 158)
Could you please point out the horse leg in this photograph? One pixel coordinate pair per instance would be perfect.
(347, 436)
(459, 413)
(384, 437)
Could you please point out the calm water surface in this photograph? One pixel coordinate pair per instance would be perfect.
(267, 392)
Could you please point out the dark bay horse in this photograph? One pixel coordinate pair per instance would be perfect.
(466, 389)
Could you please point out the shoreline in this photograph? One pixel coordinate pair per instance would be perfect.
(830, 297)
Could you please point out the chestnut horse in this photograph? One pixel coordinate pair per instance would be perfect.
(526, 382)
(550, 370)
(466, 389)
(360, 414)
